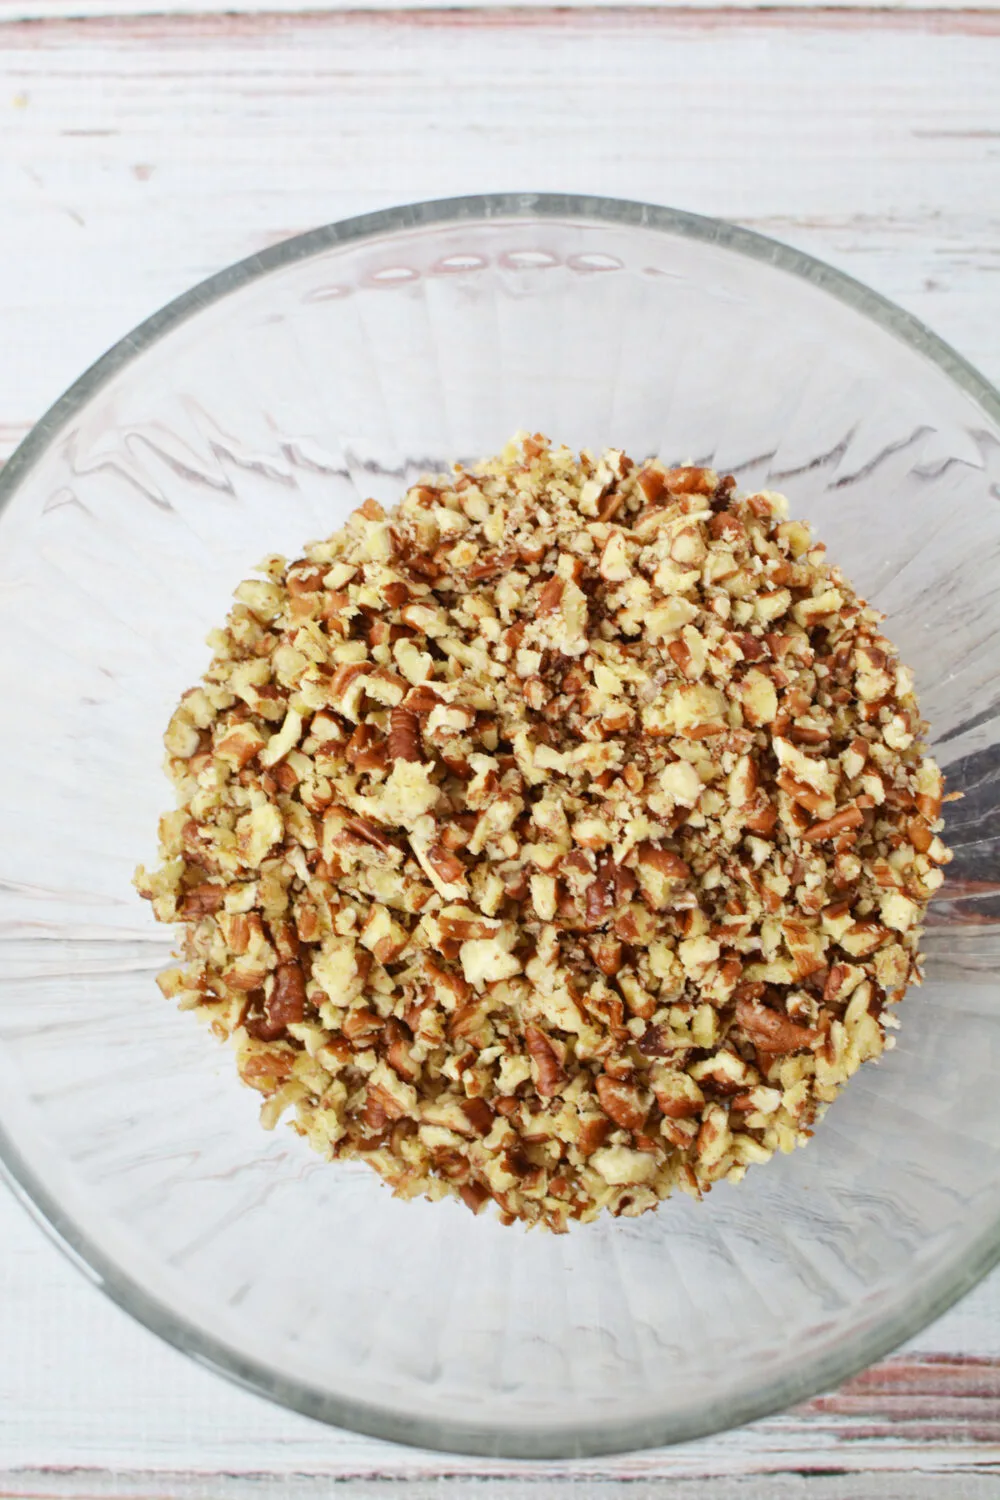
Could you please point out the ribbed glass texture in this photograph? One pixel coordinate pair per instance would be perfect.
(251, 416)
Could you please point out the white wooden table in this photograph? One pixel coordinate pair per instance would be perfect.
(143, 146)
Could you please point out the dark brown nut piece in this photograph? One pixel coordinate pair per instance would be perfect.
(447, 866)
(287, 1002)
(607, 953)
(421, 700)
(773, 1032)
(404, 735)
(593, 1132)
(469, 1019)
(239, 745)
(361, 1025)
(202, 900)
(622, 1102)
(364, 828)
(549, 595)
(474, 1196)
(366, 750)
(267, 1070)
(549, 1074)
(691, 481)
(678, 1096)
(831, 828)
(478, 1114)
(399, 1055)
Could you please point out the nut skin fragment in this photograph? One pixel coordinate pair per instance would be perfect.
(558, 840)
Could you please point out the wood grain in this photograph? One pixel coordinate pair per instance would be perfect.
(138, 155)
(50, 10)
(137, 158)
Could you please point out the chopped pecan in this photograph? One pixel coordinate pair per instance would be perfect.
(360, 1025)
(287, 1002)
(363, 828)
(593, 1132)
(399, 1041)
(478, 1114)
(771, 1031)
(622, 1102)
(404, 735)
(549, 1072)
(606, 758)
(202, 900)
(474, 1195)
(831, 828)
(381, 1109)
(447, 866)
(550, 594)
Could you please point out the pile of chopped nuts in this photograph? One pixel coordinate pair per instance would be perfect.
(559, 839)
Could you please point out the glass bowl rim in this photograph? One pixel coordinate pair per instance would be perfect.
(933, 1294)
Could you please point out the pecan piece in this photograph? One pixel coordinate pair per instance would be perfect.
(370, 833)
(446, 866)
(360, 1025)
(550, 594)
(622, 1102)
(771, 1031)
(594, 1131)
(202, 900)
(381, 1109)
(400, 1041)
(831, 828)
(287, 1002)
(266, 1070)
(550, 1077)
(478, 1114)
(607, 953)
(404, 735)
(366, 750)
(690, 480)
(474, 1195)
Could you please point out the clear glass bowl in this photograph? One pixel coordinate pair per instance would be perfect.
(248, 417)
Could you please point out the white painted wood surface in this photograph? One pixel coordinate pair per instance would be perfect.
(49, 10)
(137, 155)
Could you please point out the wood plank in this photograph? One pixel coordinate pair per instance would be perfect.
(50, 10)
(48, 1484)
